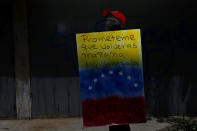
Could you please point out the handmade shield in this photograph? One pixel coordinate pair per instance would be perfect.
(111, 77)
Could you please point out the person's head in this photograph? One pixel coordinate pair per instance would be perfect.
(115, 20)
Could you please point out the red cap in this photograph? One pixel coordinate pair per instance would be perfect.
(116, 14)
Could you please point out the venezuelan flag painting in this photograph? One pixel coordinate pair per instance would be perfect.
(111, 77)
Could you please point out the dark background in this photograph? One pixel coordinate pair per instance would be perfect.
(169, 42)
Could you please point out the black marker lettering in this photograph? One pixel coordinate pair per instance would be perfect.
(85, 37)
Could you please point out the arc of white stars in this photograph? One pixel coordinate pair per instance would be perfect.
(111, 72)
(102, 75)
(90, 88)
(135, 84)
(95, 80)
(129, 77)
(120, 73)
